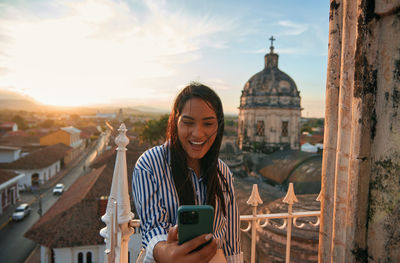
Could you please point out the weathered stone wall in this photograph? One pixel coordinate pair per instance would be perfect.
(361, 163)
(384, 197)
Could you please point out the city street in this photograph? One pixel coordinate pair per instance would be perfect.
(14, 246)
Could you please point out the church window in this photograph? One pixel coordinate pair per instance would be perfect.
(260, 128)
(89, 257)
(285, 125)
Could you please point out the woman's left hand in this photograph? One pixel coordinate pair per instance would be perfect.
(171, 251)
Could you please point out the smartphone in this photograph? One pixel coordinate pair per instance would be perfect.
(193, 221)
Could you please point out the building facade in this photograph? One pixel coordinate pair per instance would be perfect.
(69, 136)
(9, 154)
(39, 166)
(9, 190)
(269, 112)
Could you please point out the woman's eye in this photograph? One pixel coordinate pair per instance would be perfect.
(188, 123)
(209, 124)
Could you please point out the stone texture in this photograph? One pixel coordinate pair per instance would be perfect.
(360, 212)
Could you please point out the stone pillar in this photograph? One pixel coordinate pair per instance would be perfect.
(361, 165)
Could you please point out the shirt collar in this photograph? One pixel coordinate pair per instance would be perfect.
(167, 154)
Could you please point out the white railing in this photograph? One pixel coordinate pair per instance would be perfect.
(289, 219)
(120, 223)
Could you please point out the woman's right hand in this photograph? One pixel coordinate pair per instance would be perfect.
(170, 251)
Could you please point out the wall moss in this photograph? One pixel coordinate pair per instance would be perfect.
(384, 202)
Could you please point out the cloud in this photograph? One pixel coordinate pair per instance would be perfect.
(86, 51)
(219, 84)
(278, 50)
(257, 51)
(290, 50)
(291, 28)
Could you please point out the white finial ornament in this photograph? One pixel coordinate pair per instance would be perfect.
(290, 197)
(254, 199)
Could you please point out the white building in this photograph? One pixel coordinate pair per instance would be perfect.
(9, 154)
(9, 190)
(39, 166)
(8, 126)
(308, 147)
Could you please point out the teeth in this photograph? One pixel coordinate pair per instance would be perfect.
(196, 143)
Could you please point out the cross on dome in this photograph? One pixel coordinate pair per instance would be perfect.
(272, 43)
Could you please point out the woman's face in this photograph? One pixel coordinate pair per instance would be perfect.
(197, 128)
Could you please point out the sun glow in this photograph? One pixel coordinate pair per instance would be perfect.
(96, 52)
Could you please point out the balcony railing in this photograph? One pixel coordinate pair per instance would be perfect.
(289, 219)
(120, 222)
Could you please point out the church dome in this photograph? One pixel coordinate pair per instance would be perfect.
(270, 87)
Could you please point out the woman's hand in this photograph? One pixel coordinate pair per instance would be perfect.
(169, 251)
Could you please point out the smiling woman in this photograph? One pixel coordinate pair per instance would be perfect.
(186, 171)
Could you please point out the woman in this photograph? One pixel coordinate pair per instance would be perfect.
(186, 171)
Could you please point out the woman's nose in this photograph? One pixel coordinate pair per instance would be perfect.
(198, 131)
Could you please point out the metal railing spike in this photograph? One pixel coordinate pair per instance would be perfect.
(254, 199)
(290, 197)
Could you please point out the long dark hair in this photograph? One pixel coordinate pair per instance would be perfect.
(208, 164)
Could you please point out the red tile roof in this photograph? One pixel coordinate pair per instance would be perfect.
(19, 140)
(9, 148)
(7, 124)
(313, 139)
(89, 129)
(85, 135)
(6, 175)
(75, 219)
(19, 132)
(39, 159)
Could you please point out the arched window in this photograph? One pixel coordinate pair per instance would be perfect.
(285, 126)
(89, 257)
(35, 179)
(80, 257)
(260, 128)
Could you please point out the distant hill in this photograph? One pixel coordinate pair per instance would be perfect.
(15, 101)
(143, 108)
(10, 100)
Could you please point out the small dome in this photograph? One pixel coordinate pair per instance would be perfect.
(270, 87)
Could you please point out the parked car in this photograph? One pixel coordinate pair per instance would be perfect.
(58, 189)
(21, 212)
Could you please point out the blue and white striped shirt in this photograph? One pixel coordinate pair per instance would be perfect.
(157, 202)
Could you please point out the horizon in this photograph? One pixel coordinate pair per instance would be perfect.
(129, 53)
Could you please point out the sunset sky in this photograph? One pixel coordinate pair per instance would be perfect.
(85, 52)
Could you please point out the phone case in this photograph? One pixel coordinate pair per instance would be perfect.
(189, 227)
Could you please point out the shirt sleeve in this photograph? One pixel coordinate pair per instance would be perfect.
(150, 208)
(232, 234)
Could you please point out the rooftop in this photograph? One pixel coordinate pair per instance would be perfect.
(71, 130)
(9, 148)
(6, 175)
(39, 159)
(73, 220)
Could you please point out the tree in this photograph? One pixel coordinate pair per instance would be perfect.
(153, 131)
(47, 124)
(22, 125)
